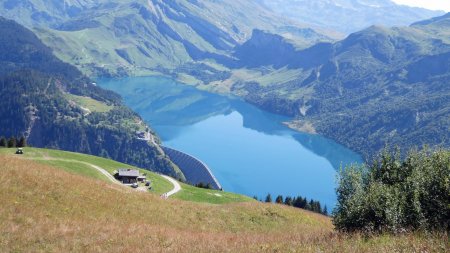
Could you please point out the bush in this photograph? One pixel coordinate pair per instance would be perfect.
(395, 195)
(12, 142)
(204, 185)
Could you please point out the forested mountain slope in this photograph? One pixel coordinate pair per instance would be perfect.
(380, 85)
(53, 105)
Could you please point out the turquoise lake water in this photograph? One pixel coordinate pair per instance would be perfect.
(249, 150)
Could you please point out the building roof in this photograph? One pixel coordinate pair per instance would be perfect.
(128, 173)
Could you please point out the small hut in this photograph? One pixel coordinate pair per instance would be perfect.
(19, 151)
(129, 176)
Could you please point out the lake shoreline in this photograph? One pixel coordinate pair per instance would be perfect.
(249, 150)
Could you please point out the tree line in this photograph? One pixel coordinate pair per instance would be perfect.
(13, 142)
(298, 202)
(204, 185)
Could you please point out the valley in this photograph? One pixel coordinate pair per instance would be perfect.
(345, 85)
(248, 150)
(224, 126)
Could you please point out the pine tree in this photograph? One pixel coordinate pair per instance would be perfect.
(298, 202)
(325, 210)
(269, 198)
(3, 142)
(12, 142)
(303, 203)
(22, 142)
(311, 205)
(279, 199)
(288, 201)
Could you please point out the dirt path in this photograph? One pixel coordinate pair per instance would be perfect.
(98, 168)
(176, 186)
(104, 172)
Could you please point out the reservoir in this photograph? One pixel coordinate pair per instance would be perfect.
(248, 150)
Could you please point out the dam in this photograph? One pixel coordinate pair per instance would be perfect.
(193, 169)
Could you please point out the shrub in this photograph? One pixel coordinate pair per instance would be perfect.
(12, 142)
(3, 142)
(204, 185)
(394, 195)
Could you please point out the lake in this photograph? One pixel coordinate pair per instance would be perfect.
(249, 150)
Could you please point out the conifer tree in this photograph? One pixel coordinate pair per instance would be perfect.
(279, 199)
(288, 201)
(3, 142)
(269, 198)
(22, 142)
(12, 142)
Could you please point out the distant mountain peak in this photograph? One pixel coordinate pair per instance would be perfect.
(349, 16)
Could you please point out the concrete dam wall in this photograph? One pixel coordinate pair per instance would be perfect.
(193, 169)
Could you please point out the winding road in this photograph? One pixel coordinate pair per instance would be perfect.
(104, 172)
(176, 185)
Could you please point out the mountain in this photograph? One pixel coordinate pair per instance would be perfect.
(53, 105)
(39, 12)
(376, 87)
(351, 90)
(349, 16)
(147, 37)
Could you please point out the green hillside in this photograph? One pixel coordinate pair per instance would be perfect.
(47, 207)
(81, 164)
(148, 37)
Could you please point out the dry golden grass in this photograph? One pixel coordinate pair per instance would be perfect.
(44, 209)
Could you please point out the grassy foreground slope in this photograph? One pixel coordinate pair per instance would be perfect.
(46, 209)
(79, 164)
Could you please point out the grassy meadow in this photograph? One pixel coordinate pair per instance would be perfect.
(89, 103)
(49, 209)
(78, 164)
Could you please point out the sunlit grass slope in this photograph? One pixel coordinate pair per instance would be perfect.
(47, 209)
(79, 164)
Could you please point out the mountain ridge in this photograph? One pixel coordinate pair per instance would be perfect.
(349, 16)
(122, 38)
(378, 86)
